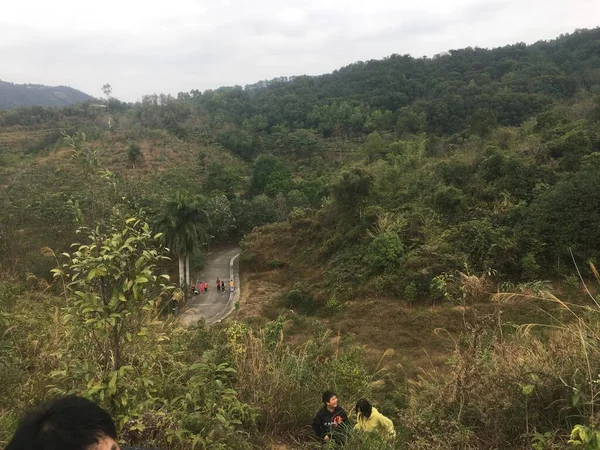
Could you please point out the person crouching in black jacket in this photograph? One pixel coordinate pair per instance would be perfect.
(331, 421)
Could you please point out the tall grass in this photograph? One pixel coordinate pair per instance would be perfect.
(512, 387)
(285, 384)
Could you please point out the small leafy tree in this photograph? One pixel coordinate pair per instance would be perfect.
(351, 192)
(385, 252)
(113, 291)
(134, 154)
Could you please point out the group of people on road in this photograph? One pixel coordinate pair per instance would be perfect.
(331, 422)
(202, 288)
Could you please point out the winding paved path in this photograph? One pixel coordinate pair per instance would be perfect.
(214, 306)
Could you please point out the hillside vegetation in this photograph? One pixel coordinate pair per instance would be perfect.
(380, 208)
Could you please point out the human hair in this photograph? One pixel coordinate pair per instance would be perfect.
(327, 396)
(364, 407)
(65, 423)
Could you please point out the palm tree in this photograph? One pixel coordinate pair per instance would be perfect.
(183, 224)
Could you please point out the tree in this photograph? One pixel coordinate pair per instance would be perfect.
(385, 252)
(184, 226)
(374, 146)
(566, 216)
(270, 176)
(410, 121)
(107, 89)
(113, 290)
(351, 191)
(222, 221)
(262, 210)
(225, 178)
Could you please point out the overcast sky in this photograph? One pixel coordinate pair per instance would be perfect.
(154, 46)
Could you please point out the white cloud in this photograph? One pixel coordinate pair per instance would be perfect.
(142, 47)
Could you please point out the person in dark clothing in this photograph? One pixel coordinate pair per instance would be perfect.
(331, 421)
(222, 286)
(66, 423)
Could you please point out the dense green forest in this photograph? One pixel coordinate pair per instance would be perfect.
(414, 181)
(16, 95)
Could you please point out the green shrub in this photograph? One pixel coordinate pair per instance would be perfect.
(248, 257)
(300, 297)
(530, 267)
(134, 153)
(275, 264)
(449, 200)
(411, 292)
(571, 284)
(347, 270)
(333, 304)
(385, 252)
(8, 296)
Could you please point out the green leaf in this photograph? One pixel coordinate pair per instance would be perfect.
(112, 384)
(57, 373)
(527, 389)
(575, 399)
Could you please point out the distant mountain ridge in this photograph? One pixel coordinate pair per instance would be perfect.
(14, 95)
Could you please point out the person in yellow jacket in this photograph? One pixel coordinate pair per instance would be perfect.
(369, 419)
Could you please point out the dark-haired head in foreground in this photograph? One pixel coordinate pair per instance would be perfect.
(66, 423)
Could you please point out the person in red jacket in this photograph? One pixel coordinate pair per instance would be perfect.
(206, 286)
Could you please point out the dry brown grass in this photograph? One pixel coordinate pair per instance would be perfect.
(382, 324)
(377, 323)
(257, 296)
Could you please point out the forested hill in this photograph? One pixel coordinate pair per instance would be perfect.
(469, 89)
(15, 95)
(359, 199)
(473, 157)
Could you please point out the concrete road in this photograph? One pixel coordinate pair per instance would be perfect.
(214, 306)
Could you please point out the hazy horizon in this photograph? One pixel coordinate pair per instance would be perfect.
(144, 48)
